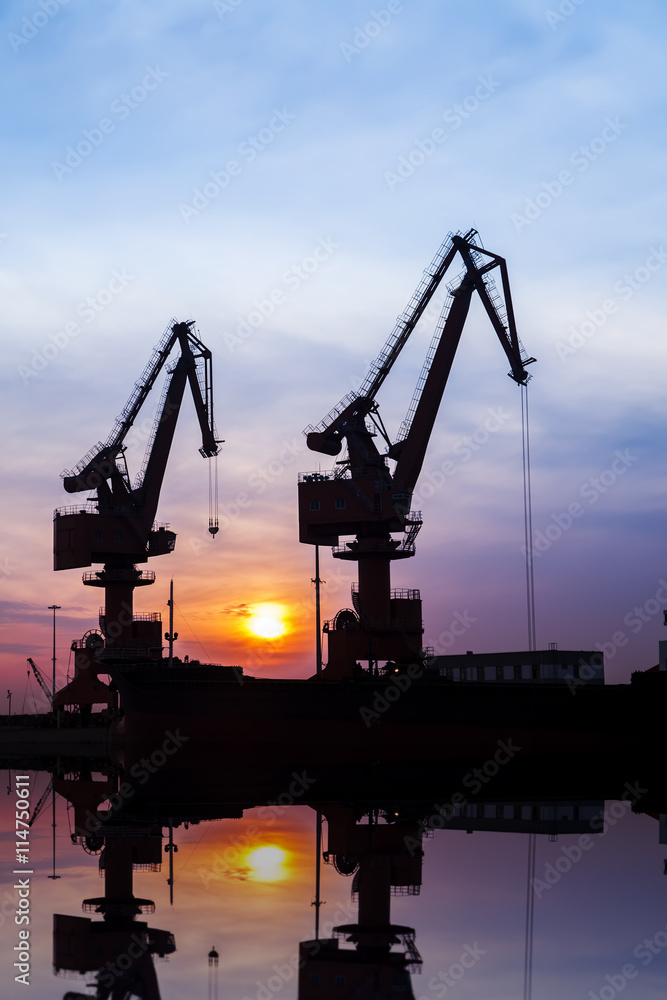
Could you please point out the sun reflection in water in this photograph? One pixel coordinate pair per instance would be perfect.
(267, 864)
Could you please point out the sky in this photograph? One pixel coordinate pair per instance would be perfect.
(283, 174)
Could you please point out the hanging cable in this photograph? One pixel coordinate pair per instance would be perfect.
(69, 821)
(194, 635)
(215, 511)
(213, 526)
(189, 857)
(532, 643)
(25, 693)
(530, 914)
(528, 519)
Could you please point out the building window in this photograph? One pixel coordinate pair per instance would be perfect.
(339, 981)
(314, 979)
(118, 536)
(341, 503)
(314, 504)
(97, 536)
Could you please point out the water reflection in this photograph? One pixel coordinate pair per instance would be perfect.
(128, 820)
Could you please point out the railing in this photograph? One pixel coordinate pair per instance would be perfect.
(428, 361)
(377, 625)
(396, 593)
(88, 457)
(332, 414)
(144, 383)
(123, 653)
(404, 326)
(75, 509)
(345, 473)
(408, 319)
(95, 906)
(139, 392)
(84, 642)
(139, 478)
(379, 545)
(91, 507)
(414, 958)
(132, 576)
(149, 616)
(317, 477)
(405, 595)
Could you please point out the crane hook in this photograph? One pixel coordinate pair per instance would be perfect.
(213, 497)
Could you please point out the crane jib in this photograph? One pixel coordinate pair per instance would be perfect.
(479, 262)
(116, 526)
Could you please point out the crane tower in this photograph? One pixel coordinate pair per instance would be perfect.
(116, 525)
(365, 497)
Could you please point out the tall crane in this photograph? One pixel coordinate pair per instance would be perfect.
(116, 527)
(363, 496)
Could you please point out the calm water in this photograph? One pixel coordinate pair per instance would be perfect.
(245, 885)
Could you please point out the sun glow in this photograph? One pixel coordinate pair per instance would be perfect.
(267, 864)
(266, 621)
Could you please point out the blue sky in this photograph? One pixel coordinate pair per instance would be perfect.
(370, 132)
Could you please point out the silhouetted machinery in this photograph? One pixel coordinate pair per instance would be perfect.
(363, 496)
(41, 679)
(120, 949)
(377, 855)
(117, 526)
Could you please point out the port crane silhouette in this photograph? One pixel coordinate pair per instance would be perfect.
(363, 496)
(117, 526)
(41, 679)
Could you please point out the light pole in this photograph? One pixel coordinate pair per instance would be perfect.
(53, 828)
(9, 699)
(54, 608)
(171, 636)
(318, 625)
(318, 668)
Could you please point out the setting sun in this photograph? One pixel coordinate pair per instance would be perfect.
(266, 621)
(267, 864)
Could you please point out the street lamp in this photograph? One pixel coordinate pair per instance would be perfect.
(9, 699)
